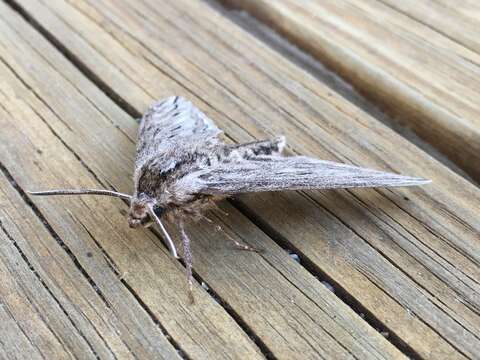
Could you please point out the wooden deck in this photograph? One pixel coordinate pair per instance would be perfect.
(76, 282)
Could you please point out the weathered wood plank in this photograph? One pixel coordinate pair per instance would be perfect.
(16, 343)
(31, 312)
(82, 323)
(73, 113)
(410, 256)
(425, 80)
(457, 21)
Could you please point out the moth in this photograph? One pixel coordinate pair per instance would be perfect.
(182, 168)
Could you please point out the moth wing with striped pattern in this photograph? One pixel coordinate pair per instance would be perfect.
(174, 125)
(174, 136)
(274, 173)
(171, 132)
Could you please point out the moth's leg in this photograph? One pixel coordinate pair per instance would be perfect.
(235, 242)
(187, 257)
(243, 247)
(263, 147)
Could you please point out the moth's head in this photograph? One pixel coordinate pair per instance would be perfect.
(138, 214)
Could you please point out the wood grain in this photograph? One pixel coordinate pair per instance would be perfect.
(70, 134)
(458, 22)
(137, 55)
(414, 66)
(29, 295)
(409, 257)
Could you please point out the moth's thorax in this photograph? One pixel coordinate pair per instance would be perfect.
(169, 179)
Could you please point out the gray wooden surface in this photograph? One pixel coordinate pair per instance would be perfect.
(77, 282)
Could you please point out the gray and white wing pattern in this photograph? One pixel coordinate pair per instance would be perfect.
(171, 133)
(174, 124)
(272, 173)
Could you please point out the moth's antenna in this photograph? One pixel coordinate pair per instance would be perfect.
(81, 192)
(170, 244)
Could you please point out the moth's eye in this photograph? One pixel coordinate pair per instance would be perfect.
(159, 210)
(145, 220)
